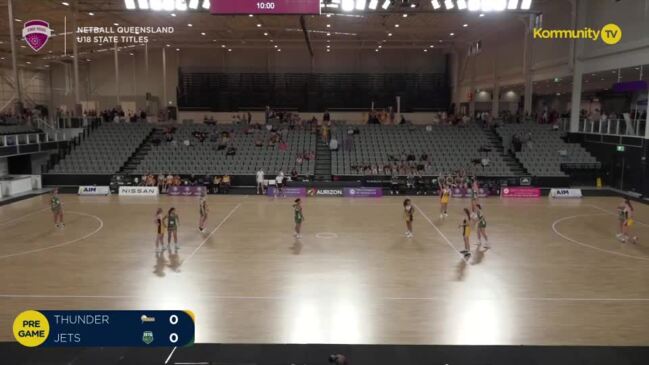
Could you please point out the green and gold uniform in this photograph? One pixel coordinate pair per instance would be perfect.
(298, 214)
(172, 222)
(55, 204)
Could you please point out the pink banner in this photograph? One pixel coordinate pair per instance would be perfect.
(520, 192)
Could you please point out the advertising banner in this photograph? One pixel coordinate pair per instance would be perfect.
(520, 192)
(287, 192)
(314, 192)
(94, 190)
(363, 192)
(466, 193)
(138, 191)
(565, 193)
(185, 190)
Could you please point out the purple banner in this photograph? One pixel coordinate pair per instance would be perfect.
(287, 192)
(185, 190)
(231, 7)
(638, 85)
(363, 192)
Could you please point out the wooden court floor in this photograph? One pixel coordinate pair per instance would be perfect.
(555, 274)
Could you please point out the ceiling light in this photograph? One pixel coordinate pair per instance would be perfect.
(131, 54)
(373, 4)
(328, 25)
(465, 25)
(190, 25)
(202, 33)
(380, 46)
(512, 4)
(91, 13)
(435, 4)
(116, 24)
(173, 14)
(389, 34)
(526, 4)
(432, 46)
(193, 4)
(405, 15)
(29, 63)
(386, 5)
(279, 50)
(229, 49)
(481, 15)
(250, 15)
(167, 45)
(328, 50)
(18, 20)
(169, 5)
(376, 50)
(275, 46)
(461, 4)
(223, 46)
(177, 49)
(127, 1)
(181, 5)
(348, 5)
(258, 25)
(206, 4)
(451, 34)
(360, 4)
(329, 15)
(474, 5)
(266, 34)
(396, 25)
(143, 4)
(425, 50)
(499, 5)
(328, 34)
(449, 4)
(413, 5)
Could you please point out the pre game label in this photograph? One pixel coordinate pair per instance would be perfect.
(104, 328)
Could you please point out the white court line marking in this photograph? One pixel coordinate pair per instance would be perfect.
(554, 228)
(212, 232)
(450, 244)
(101, 225)
(170, 355)
(191, 363)
(611, 212)
(268, 298)
(24, 216)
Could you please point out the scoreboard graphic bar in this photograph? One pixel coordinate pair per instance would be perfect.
(261, 7)
(104, 328)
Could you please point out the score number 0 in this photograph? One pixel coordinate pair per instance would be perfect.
(173, 319)
(266, 5)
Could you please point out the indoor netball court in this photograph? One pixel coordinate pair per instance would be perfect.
(555, 273)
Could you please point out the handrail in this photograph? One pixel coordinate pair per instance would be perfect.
(614, 127)
(20, 139)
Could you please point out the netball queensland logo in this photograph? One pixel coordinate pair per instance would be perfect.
(36, 33)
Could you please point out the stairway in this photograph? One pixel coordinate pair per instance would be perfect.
(322, 161)
(496, 144)
(140, 153)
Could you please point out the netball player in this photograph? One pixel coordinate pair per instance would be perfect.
(57, 209)
(408, 215)
(171, 222)
(628, 213)
(482, 227)
(466, 233)
(298, 217)
(444, 195)
(159, 238)
(202, 207)
(474, 192)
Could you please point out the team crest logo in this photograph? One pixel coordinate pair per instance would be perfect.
(36, 33)
(147, 337)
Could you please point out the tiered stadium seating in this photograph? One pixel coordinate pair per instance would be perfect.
(105, 151)
(548, 151)
(449, 148)
(204, 158)
(16, 129)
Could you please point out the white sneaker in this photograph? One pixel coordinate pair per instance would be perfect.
(486, 245)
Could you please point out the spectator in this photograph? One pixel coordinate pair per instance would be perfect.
(333, 144)
(294, 175)
(225, 184)
(231, 151)
(260, 181)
